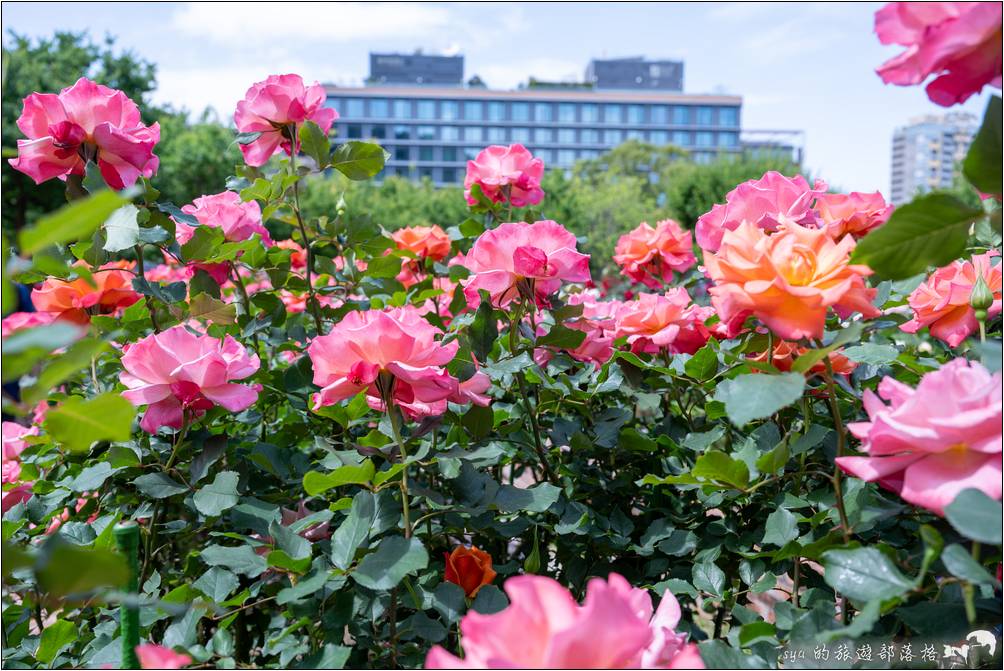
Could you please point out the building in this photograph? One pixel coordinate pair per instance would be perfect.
(926, 153)
(432, 129)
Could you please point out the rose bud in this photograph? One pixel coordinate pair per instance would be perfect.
(470, 568)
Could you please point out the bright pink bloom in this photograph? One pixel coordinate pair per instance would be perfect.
(153, 656)
(855, 213)
(177, 372)
(663, 323)
(528, 260)
(544, 628)
(942, 301)
(276, 108)
(930, 443)
(957, 42)
(651, 255)
(19, 321)
(390, 354)
(238, 220)
(85, 122)
(506, 172)
(597, 322)
(766, 203)
(14, 444)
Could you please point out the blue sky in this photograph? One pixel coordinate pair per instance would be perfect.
(806, 66)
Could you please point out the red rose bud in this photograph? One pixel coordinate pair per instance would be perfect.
(470, 568)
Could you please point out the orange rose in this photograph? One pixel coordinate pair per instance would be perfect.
(108, 289)
(855, 213)
(787, 279)
(470, 568)
(424, 241)
(786, 352)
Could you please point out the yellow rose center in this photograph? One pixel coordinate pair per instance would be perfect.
(800, 267)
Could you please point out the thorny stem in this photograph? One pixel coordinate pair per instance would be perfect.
(141, 267)
(245, 300)
(395, 426)
(538, 444)
(314, 305)
(151, 538)
(838, 424)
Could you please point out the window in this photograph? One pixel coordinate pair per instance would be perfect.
(588, 153)
(402, 109)
(425, 173)
(402, 133)
(354, 131)
(543, 135)
(402, 154)
(681, 115)
(566, 157)
(471, 153)
(613, 114)
(426, 132)
(426, 109)
(660, 113)
(728, 116)
(378, 132)
(449, 174)
(681, 138)
(379, 108)
(521, 111)
(473, 110)
(449, 153)
(449, 133)
(658, 137)
(590, 113)
(612, 137)
(521, 135)
(496, 135)
(496, 112)
(545, 155)
(425, 153)
(566, 136)
(636, 114)
(354, 108)
(449, 110)
(704, 116)
(542, 112)
(635, 134)
(727, 140)
(703, 139)
(589, 136)
(566, 113)
(703, 157)
(473, 134)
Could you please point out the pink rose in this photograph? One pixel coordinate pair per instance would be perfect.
(178, 373)
(297, 256)
(543, 627)
(597, 322)
(238, 220)
(942, 301)
(957, 42)
(506, 172)
(276, 108)
(766, 203)
(651, 255)
(153, 656)
(390, 354)
(528, 260)
(13, 445)
(855, 213)
(85, 122)
(930, 443)
(663, 323)
(18, 321)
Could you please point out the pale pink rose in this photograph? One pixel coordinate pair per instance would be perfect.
(942, 301)
(390, 354)
(667, 322)
(85, 122)
(766, 203)
(178, 373)
(19, 321)
(153, 656)
(544, 628)
(523, 260)
(276, 108)
(788, 279)
(13, 445)
(506, 173)
(237, 219)
(855, 213)
(651, 255)
(930, 443)
(169, 273)
(957, 42)
(14, 496)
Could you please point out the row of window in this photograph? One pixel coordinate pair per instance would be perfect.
(560, 157)
(506, 135)
(541, 112)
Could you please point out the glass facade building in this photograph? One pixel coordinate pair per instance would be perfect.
(431, 132)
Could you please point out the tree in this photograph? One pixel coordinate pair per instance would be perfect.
(195, 158)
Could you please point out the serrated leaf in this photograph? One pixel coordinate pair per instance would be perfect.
(758, 395)
(359, 160)
(77, 423)
(219, 495)
(121, 229)
(394, 558)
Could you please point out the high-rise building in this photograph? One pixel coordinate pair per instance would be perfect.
(926, 153)
(432, 125)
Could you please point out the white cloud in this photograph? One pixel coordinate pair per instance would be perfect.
(254, 24)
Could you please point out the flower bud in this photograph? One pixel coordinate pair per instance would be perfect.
(470, 568)
(532, 562)
(981, 298)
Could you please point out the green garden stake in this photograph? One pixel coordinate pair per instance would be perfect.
(127, 541)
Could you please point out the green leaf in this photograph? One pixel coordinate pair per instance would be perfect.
(864, 574)
(975, 515)
(204, 244)
(55, 638)
(562, 337)
(490, 599)
(394, 558)
(314, 143)
(217, 496)
(982, 165)
(359, 160)
(353, 530)
(478, 421)
(961, 564)
(775, 460)
(932, 230)
(317, 483)
(76, 221)
(121, 229)
(77, 423)
(534, 499)
(204, 306)
(755, 632)
(217, 583)
(158, 485)
(71, 569)
(704, 364)
(707, 577)
(239, 559)
(782, 527)
(384, 267)
(758, 395)
(720, 467)
(720, 655)
(877, 355)
(484, 330)
(63, 367)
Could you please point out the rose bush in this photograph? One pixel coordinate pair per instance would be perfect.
(244, 436)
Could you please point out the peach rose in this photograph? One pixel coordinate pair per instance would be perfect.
(855, 213)
(651, 255)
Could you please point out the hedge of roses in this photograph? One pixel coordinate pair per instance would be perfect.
(450, 448)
